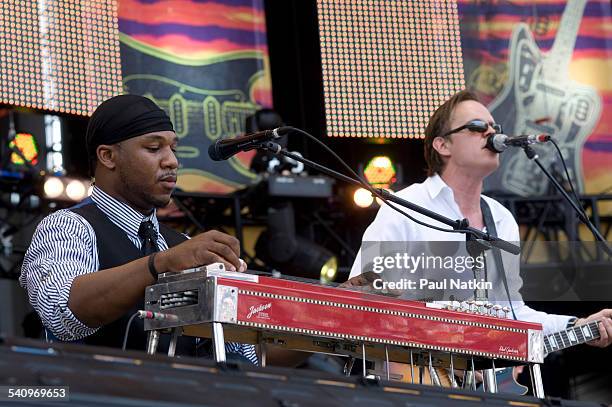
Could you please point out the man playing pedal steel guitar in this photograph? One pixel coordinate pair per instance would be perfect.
(87, 267)
(458, 162)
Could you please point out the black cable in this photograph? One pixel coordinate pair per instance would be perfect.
(127, 330)
(372, 190)
(569, 179)
(532, 155)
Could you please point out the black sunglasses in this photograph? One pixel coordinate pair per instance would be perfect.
(478, 126)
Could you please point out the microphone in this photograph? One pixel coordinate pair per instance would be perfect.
(499, 142)
(223, 149)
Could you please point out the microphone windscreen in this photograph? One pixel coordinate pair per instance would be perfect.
(495, 143)
(214, 153)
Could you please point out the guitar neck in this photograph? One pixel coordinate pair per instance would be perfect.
(573, 336)
(560, 55)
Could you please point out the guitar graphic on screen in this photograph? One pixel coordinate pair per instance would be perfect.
(538, 87)
(200, 117)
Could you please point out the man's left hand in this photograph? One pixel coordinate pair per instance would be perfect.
(605, 327)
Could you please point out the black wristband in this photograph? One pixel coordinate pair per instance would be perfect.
(571, 323)
(151, 264)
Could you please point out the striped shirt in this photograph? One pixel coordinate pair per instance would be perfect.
(63, 248)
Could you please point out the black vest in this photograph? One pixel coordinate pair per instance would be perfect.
(115, 249)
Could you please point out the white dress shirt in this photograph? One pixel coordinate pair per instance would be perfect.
(436, 196)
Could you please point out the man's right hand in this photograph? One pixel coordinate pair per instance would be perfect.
(100, 298)
(365, 283)
(360, 280)
(206, 248)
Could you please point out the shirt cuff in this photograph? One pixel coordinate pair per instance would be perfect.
(70, 327)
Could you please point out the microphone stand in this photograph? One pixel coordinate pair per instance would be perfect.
(461, 224)
(533, 156)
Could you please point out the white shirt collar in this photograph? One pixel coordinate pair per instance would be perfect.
(121, 214)
(435, 185)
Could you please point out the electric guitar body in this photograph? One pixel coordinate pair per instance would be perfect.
(539, 97)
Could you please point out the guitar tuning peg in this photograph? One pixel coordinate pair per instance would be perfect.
(488, 306)
(506, 311)
(470, 305)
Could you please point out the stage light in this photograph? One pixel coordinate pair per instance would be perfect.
(380, 172)
(66, 189)
(363, 198)
(26, 144)
(280, 247)
(76, 190)
(53, 188)
(329, 270)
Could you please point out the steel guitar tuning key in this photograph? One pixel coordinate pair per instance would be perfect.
(454, 306)
(496, 309)
(489, 307)
(506, 311)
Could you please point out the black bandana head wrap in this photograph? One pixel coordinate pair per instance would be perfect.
(122, 117)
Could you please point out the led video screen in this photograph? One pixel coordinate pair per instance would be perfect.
(387, 65)
(59, 55)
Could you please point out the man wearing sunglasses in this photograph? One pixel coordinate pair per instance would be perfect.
(458, 161)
